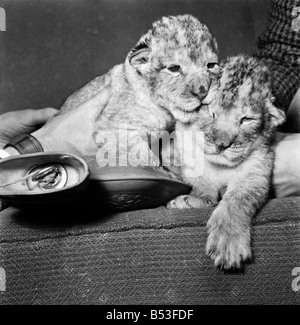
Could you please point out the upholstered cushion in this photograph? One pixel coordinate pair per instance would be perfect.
(143, 257)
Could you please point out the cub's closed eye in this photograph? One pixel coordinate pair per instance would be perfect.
(248, 119)
(212, 65)
(174, 68)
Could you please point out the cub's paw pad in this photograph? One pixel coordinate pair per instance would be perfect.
(187, 202)
(181, 202)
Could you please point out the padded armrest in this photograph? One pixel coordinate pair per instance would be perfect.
(143, 257)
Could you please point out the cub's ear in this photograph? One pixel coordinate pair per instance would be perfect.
(278, 116)
(139, 55)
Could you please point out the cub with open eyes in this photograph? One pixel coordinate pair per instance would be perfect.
(165, 76)
(237, 158)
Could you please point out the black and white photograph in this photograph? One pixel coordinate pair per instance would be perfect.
(149, 155)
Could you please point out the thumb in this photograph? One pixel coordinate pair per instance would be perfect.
(32, 118)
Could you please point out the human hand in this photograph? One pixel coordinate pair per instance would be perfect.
(16, 123)
(73, 131)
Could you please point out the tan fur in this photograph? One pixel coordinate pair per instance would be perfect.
(146, 94)
(239, 130)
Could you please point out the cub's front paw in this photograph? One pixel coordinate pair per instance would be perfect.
(168, 173)
(228, 243)
(143, 156)
(188, 202)
(153, 159)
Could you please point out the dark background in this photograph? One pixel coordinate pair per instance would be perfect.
(53, 47)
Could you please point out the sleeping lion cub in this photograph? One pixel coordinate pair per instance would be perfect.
(237, 158)
(167, 75)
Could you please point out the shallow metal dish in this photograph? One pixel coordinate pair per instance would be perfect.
(21, 193)
(105, 188)
(131, 188)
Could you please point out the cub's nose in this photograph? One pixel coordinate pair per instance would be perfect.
(200, 91)
(223, 140)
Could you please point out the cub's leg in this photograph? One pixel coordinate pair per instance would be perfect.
(229, 227)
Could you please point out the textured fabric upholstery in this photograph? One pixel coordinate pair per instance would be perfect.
(143, 257)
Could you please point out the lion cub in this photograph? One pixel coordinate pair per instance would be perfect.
(237, 158)
(166, 76)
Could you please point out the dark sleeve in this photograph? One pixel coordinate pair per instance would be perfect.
(3, 205)
(279, 48)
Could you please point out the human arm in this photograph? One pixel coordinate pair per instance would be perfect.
(20, 122)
